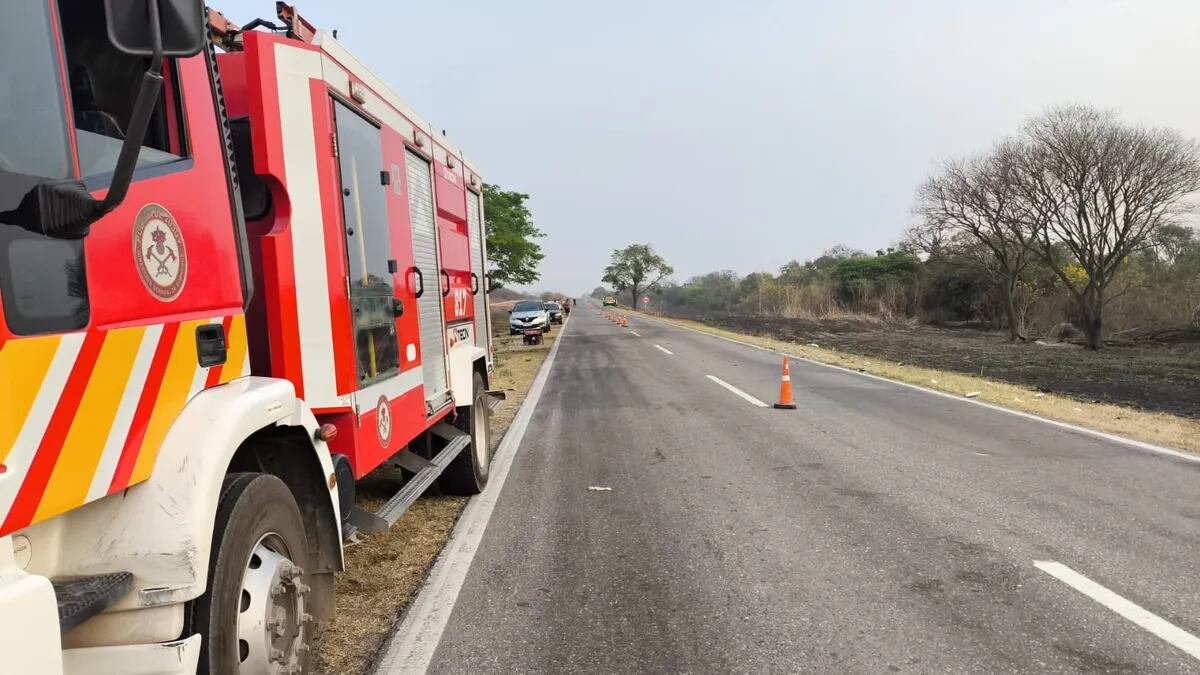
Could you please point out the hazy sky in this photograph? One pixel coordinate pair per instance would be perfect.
(741, 135)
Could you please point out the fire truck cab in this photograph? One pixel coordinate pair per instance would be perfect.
(237, 273)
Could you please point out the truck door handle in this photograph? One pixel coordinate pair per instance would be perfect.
(474, 284)
(211, 348)
(446, 290)
(420, 277)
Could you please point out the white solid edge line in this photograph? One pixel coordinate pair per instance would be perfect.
(1103, 435)
(737, 391)
(633, 332)
(1155, 625)
(665, 350)
(411, 646)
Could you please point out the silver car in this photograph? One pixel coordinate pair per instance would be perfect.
(528, 315)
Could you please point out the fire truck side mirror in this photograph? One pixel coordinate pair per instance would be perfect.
(150, 27)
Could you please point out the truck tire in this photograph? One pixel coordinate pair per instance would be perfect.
(252, 617)
(468, 473)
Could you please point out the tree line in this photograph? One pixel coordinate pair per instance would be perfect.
(1073, 224)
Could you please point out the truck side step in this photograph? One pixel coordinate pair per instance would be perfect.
(429, 470)
(81, 598)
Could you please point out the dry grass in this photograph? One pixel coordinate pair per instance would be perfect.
(385, 570)
(1158, 428)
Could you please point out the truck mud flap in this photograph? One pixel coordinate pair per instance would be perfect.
(495, 398)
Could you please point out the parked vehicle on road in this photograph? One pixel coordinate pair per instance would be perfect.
(527, 314)
(279, 291)
(555, 310)
(610, 301)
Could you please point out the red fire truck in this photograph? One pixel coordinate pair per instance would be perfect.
(237, 273)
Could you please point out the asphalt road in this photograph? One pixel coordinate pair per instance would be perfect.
(877, 528)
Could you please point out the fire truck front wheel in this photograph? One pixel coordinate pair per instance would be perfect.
(252, 618)
(468, 473)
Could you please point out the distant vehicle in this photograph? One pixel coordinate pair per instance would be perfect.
(555, 310)
(528, 315)
(610, 301)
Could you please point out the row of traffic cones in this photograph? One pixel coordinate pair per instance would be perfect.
(619, 319)
(786, 401)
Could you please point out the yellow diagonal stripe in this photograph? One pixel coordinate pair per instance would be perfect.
(23, 366)
(93, 419)
(172, 396)
(236, 354)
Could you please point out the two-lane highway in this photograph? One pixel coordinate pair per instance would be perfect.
(877, 528)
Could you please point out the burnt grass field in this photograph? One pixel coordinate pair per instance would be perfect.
(1156, 375)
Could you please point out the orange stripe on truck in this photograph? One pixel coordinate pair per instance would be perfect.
(68, 486)
(50, 447)
(238, 345)
(24, 364)
(172, 396)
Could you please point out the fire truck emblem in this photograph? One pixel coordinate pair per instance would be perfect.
(383, 421)
(159, 252)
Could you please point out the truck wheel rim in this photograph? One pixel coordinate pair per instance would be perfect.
(479, 440)
(271, 620)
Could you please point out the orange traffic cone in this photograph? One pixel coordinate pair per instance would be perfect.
(624, 322)
(785, 388)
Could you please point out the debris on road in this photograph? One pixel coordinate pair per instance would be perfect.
(971, 394)
(597, 488)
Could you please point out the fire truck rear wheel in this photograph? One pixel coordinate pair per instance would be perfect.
(468, 473)
(252, 618)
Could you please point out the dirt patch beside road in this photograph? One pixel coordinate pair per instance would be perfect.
(1147, 376)
(384, 571)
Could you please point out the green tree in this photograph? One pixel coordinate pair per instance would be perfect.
(636, 268)
(513, 255)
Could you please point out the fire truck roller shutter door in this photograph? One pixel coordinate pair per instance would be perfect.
(425, 257)
(475, 228)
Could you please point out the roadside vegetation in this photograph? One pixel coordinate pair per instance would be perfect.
(1062, 259)
(384, 571)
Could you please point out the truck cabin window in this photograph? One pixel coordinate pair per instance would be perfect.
(104, 84)
(41, 279)
(43, 283)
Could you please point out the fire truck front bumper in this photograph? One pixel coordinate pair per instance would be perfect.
(29, 634)
(31, 642)
(179, 657)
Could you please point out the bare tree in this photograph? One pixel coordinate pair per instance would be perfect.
(968, 208)
(1094, 190)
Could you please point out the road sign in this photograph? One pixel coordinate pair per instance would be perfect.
(645, 299)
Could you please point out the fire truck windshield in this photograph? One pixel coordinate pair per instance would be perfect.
(33, 122)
